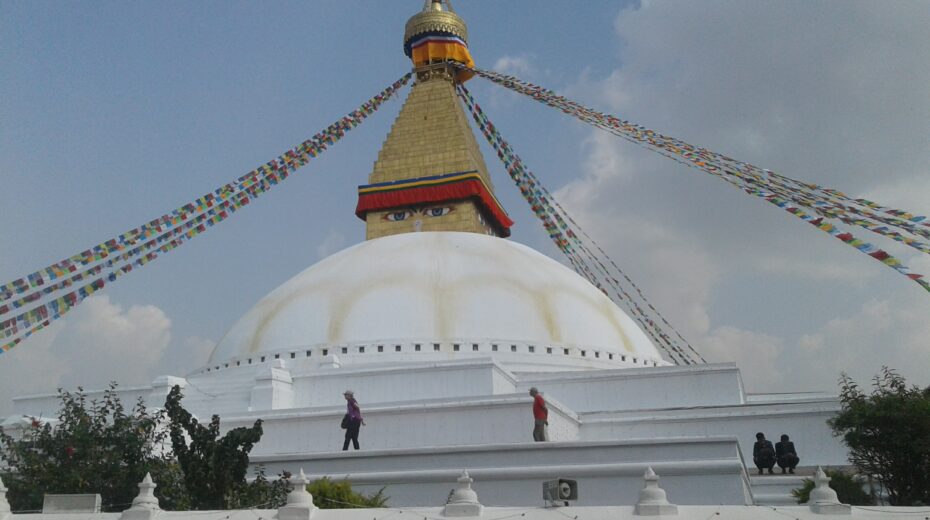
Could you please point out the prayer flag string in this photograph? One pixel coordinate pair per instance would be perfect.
(172, 230)
(789, 194)
(834, 199)
(274, 169)
(561, 229)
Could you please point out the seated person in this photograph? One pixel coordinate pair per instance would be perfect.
(785, 455)
(763, 454)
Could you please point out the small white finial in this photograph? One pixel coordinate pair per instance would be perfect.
(299, 493)
(146, 498)
(465, 479)
(463, 501)
(299, 501)
(822, 492)
(653, 500)
(145, 506)
(823, 499)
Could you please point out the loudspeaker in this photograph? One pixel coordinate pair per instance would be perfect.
(560, 490)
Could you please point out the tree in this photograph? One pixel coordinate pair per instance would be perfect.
(214, 468)
(94, 447)
(888, 435)
(848, 490)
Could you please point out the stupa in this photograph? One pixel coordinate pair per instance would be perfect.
(440, 325)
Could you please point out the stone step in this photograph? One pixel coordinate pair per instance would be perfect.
(774, 490)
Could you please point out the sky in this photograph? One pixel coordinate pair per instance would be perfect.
(112, 113)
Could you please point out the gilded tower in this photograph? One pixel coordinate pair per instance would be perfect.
(430, 174)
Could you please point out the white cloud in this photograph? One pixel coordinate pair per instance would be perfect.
(108, 341)
(679, 270)
(908, 193)
(604, 158)
(186, 355)
(98, 342)
(800, 268)
(879, 333)
(823, 93)
(918, 263)
(31, 367)
(754, 353)
(521, 66)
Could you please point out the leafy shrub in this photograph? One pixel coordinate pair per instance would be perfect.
(848, 490)
(328, 494)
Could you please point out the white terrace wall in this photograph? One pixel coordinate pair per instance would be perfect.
(431, 422)
(696, 471)
(437, 380)
(641, 388)
(805, 422)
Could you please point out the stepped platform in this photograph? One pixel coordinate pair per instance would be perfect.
(608, 472)
(775, 490)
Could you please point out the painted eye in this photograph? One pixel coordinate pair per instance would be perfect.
(437, 211)
(397, 216)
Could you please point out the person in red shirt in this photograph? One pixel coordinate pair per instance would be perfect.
(540, 416)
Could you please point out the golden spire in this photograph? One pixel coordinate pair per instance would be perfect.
(436, 35)
(434, 18)
(430, 175)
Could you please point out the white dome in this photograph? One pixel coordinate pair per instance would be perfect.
(439, 287)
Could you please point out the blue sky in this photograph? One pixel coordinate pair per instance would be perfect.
(112, 113)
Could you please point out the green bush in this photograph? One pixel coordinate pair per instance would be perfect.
(328, 494)
(261, 493)
(848, 490)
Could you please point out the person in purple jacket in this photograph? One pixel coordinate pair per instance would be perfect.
(353, 420)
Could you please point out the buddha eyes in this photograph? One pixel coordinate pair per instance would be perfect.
(435, 211)
(397, 216)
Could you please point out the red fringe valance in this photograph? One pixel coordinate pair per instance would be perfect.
(415, 196)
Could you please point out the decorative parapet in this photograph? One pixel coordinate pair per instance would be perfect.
(463, 501)
(145, 506)
(299, 501)
(653, 500)
(823, 498)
